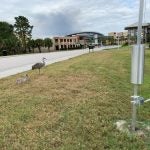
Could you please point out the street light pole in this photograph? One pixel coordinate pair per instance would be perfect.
(139, 66)
(140, 23)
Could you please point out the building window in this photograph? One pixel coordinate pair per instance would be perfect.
(70, 40)
(56, 40)
(67, 40)
(61, 40)
(65, 46)
(64, 40)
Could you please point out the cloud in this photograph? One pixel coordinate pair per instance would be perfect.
(56, 23)
(61, 17)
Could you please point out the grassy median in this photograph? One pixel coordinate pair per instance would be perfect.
(73, 105)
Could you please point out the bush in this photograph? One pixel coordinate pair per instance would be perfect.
(125, 44)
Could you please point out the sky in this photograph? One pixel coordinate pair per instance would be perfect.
(61, 17)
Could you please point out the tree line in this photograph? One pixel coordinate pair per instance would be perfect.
(17, 38)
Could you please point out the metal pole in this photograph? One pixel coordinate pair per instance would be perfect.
(134, 109)
(140, 22)
(138, 43)
(118, 42)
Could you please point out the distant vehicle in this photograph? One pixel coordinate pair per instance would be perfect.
(4, 52)
(91, 46)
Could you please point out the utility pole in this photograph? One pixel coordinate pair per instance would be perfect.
(118, 42)
(137, 71)
(139, 33)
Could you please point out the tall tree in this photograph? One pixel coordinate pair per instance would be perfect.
(11, 44)
(1, 43)
(8, 39)
(6, 30)
(48, 43)
(23, 30)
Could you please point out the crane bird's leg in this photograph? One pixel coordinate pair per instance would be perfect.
(39, 71)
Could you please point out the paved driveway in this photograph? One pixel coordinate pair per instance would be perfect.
(11, 65)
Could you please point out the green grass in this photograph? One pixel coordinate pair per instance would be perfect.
(73, 105)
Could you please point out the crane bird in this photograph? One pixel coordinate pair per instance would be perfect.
(23, 79)
(39, 65)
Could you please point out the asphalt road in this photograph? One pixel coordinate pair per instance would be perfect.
(10, 65)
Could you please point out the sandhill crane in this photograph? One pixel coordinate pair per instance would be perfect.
(23, 79)
(39, 65)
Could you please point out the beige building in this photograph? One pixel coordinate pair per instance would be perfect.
(113, 34)
(118, 34)
(125, 34)
(77, 40)
(119, 37)
(63, 43)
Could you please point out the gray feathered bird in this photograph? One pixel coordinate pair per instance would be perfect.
(39, 65)
(23, 79)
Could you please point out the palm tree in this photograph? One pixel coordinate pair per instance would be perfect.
(110, 40)
(39, 43)
(31, 45)
(48, 43)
